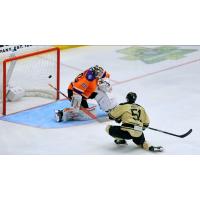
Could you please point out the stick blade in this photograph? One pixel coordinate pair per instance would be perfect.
(186, 134)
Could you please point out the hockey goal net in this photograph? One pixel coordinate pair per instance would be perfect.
(31, 72)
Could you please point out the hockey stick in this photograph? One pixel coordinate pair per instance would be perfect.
(180, 136)
(83, 109)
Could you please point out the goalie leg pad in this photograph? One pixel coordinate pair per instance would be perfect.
(105, 103)
(70, 114)
(76, 102)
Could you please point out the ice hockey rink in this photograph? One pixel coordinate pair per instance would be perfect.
(168, 87)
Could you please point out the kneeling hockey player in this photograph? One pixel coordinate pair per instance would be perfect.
(134, 120)
(88, 85)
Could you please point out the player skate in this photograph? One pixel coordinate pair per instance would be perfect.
(156, 149)
(120, 141)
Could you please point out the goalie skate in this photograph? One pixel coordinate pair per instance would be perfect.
(65, 114)
(58, 115)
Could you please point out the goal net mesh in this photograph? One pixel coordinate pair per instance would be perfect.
(32, 73)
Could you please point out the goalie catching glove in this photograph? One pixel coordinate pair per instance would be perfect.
(105, 101)
(104, 86)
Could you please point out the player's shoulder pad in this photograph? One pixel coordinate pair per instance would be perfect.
(124, 103)
(89, 75)
(138, 105)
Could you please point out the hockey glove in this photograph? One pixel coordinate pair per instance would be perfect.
(118, 120)
(145, 126)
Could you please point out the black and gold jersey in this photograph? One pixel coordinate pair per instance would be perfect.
(130, 114)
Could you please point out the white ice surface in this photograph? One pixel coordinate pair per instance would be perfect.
(170, 97)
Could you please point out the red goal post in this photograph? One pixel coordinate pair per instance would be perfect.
(30, 55)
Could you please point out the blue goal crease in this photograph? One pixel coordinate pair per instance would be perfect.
(43, 116)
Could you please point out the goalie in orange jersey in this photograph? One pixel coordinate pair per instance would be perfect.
(89, 85)
(84, 86)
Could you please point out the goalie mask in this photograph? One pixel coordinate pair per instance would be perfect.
(98, 71)
(131, 97)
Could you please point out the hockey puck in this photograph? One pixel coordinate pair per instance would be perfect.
(49, 76)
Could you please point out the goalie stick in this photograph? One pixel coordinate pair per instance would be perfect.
(91, 115)
(180, 136)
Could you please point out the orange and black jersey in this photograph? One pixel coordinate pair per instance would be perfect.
(86, 83)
